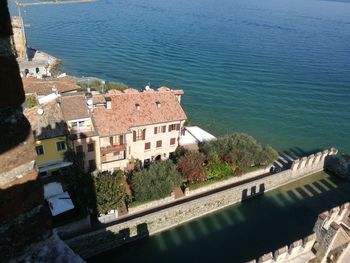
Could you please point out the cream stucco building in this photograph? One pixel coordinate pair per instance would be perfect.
(137, 125)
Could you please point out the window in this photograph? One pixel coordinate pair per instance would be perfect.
(91, 147)
(81, 124)
(92, 165)
(39, 150)
(147, 145)
(139, 135)
(78, 125)
(172, 141)
(159, 144)
(60, 146)
(79, 149)
(160, 129)
(114, 140)
(121, 140)
(119, 155)
(173, 127)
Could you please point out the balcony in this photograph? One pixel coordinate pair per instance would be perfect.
(112, 149)
(82, 129)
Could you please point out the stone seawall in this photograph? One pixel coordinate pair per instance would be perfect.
(328, 239)
(232, 180)
(152, 204)
(96, 242)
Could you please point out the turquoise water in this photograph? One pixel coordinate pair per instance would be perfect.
(241, 232)
(276, 69)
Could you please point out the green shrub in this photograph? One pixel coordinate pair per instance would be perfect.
(155, 182)
(32, 100)
(239, 149)
(217, 168)
(110, 191)
(116, 85)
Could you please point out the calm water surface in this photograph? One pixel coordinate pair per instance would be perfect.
(276, 69)
(241, 232)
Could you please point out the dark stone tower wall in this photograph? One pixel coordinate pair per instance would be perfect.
(24, 216)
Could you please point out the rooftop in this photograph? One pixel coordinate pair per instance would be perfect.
(74, 107)
(44, 86)
(46, 121)
(133, 108)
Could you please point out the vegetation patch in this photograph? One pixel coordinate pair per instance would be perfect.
(155, 182)
(100, 86)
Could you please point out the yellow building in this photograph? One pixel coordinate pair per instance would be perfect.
(50, 133)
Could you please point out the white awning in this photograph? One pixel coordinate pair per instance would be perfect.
(52, 189)
(195, 135)
(60, 203)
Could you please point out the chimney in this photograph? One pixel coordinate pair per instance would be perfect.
(158, 104)
(137, 106)
(108, 103)
(54, 89)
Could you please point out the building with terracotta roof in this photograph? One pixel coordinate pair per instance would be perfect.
(50, 134)
(83, 137)
(137, 125)
(43, 87)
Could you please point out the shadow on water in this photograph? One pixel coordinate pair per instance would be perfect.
(244, 231)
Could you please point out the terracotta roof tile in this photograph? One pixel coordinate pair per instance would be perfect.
(131, 90)
(49, 124)
(44, 86)
(124, 114)
(98, 99)
(114, 92)
(74, 107)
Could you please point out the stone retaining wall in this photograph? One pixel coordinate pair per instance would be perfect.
(152, 204)
(74, 227)
(232, 180)
(93, 243)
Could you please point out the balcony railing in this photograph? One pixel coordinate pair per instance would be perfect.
(112, 149)
(81, 129)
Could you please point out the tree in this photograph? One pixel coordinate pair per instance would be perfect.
(191, 166)
(110, 190)
(179, 152)
(79, 183)
(240, 149)
(155, 182)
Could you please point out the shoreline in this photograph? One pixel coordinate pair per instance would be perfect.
(119, 233)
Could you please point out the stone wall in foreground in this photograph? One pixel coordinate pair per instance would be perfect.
(96, 242)
(330, 241)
